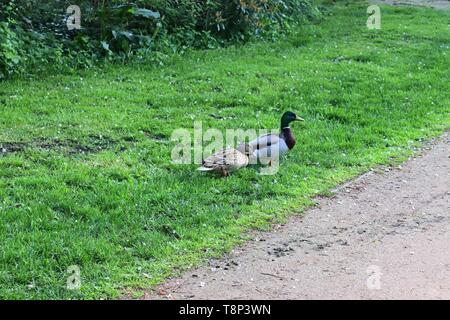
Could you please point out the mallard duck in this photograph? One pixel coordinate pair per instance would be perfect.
(227, 160)
(270, 147)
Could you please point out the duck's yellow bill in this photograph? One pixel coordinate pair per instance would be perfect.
(299, 119)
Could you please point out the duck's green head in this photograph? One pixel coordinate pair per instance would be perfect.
(288, 117)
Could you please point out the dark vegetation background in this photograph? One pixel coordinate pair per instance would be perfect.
(34, 34)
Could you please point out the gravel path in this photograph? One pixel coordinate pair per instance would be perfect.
(385, 235)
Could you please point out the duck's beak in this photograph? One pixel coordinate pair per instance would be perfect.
(297, 118)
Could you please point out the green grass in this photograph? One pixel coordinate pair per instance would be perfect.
(87, 178)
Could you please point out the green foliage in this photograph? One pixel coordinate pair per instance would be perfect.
(34, 33)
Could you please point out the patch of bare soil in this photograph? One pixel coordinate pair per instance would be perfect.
(385, 235)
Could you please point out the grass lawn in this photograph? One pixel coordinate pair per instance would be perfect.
(86, 176)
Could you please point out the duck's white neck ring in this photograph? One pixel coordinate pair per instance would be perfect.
(285, 127)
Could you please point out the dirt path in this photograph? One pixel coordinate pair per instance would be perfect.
(437, 4)
(385, 235)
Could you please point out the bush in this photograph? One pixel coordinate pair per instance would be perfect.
(33, 33)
